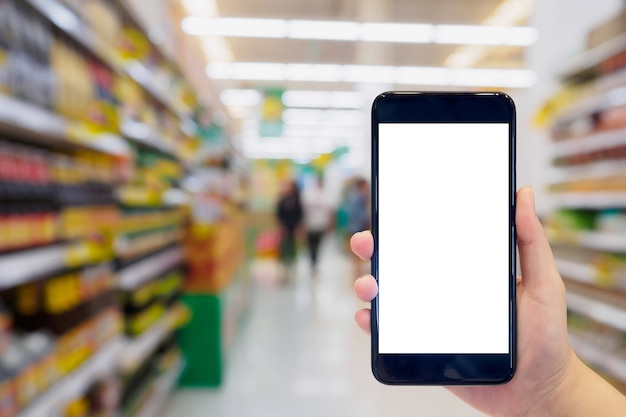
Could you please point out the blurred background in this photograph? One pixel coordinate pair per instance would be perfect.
(179, 179)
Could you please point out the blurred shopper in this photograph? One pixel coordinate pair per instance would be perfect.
(289, 215)
(358, 211)
(317, 213)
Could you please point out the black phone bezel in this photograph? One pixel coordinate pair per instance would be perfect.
(445, 369)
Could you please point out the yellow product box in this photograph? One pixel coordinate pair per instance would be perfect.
(26, 385)
(8, 398)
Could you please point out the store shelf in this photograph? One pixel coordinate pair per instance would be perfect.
(163, 387)
(67, 21)
(594, 142)
(39, 125)
(127, 8)
(601, 241)
(138, 349)
(605, 241)
(21, 267)
(138, 246)
(576, 271)
(607, 362)
(142, 134)
(133, 276)
(590, 200)
(77, 382)
(590, 59)
(592, 171)
(597, 310)
(146, 79)
(70, 24)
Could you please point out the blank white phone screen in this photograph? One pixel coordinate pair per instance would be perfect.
(443, 238)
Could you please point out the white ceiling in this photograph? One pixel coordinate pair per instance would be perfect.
(286, 50)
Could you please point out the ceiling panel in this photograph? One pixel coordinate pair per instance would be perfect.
(290, 9)
(430, 11)
(430, 55)
(292, 50)
(469, 12)
(442, 11)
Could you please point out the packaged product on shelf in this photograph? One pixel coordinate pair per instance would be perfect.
(107, 325)
(62, 300)
(26, 225)
(611, 221)
(74, 88)
(27, 306)
(105, 21)
(8, 395)
(17, 363)
(105, 396)
(74, 347)
(6, 324)
(27, 38)
(78, 407)
(40, 346)
(4, 69)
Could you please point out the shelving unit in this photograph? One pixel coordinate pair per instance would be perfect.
(36, 125)
(135, 350)
(65, 20)
(589, 134)
(21, 267)
(74, 384)
(602, 241)
(599, 311)
(590, 200)
(132, 144)
(163, 386)
(137, 274)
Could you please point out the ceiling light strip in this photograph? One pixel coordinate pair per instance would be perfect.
(364, 32)
(437, 76)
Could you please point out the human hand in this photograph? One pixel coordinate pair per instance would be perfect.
(547, 368)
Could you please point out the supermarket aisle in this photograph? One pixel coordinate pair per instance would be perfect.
(301, 355)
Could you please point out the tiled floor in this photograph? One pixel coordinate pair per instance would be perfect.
(301, 355)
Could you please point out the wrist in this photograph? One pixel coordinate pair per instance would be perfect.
(558, 399)
(580, 393)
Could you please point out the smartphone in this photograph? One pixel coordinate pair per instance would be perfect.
(443, 221)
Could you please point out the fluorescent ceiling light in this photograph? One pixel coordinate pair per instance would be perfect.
(355, 31)
(326, 30)
(486, 35)
(247, 71)
(313, 72)
(469, 77)
(236, 27)
(509, 13)
(397, 32)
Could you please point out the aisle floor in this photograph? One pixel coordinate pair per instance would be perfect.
(301, 355)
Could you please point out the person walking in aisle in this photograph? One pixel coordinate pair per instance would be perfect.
(550, 379)
(289, 215)
(317, 212)
(357, 209)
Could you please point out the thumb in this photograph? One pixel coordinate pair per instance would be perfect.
(536, 259)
